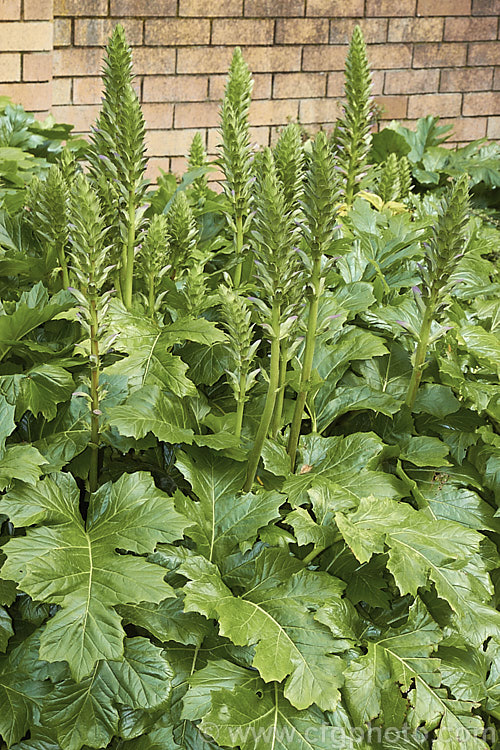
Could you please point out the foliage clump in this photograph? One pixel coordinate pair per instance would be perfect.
(249, 488)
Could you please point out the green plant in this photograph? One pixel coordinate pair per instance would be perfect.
(256, 512)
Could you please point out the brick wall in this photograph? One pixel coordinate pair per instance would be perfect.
(428, 57)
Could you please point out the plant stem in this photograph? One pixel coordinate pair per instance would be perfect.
(94, 395)
(265, 420)
(421, 351)
(129, 266)
(278, 407)
(240, 408)
(151, 295)
(307, 361)
(64, 266)
(239, 249)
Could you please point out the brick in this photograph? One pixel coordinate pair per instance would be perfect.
(302, 31)
(466, 128)
(374, 30)
(94, 32)
(439, 55)
(273, 112)
(485, 7)
(74, 61)
(171, 142)
(10, 66)
(175, 88)
(242, 31)
(274, 59)
(483, 53)
(191, 114)
(37, 66)
(61, 91)
(319, 111)
(262, 83)
(154, 165)
(392, 107)
(336, 8)
(10, 10)
(178, 165)
(274, 8)
(445, 105)
(87, 90)
(140, 8)
(324, 58)
(485, 103)
(82, 117)
(32, 36)
(82, 7)
(469, 29)
(153, 60)
(37, 10)
(388, 8)
(298, 85)
(386, 56)
(172, 32)
(203, 59)
(466, 79)
(33, 96)
(444, 7)
(62, 32)
(212, 8)
(415, 29)
(496, 79)
(493, 130)
(158, 116)
(411, 81)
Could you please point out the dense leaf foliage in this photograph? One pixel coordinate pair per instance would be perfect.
(249, 450)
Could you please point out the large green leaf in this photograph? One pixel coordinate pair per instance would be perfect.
(76, 565)
(148, 346)
(21, 691)
(423, 549)
(264, 719)
(221, 519)
(290, 644)
(42, 388)
(22, 462)
(150, 410)
(340, 466)
(393, 661)
(86, 713)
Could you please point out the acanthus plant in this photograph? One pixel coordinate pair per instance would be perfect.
(249, 448)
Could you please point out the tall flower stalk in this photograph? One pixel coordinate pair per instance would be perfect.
(446, 247)
(118, 160)
(236, 319)
(235, 153)
(48, 203)
(277, 271)
(352, 137)
(289, 158)
(89, 264)
(320, 200)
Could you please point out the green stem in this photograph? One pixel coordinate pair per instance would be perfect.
(240, 408)
(129, 253)
(307, 361)
(278, 407)
(239, 250)
(265, 420)
(421, 351)
(94, 396)
(64, 266)
(151, 295)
